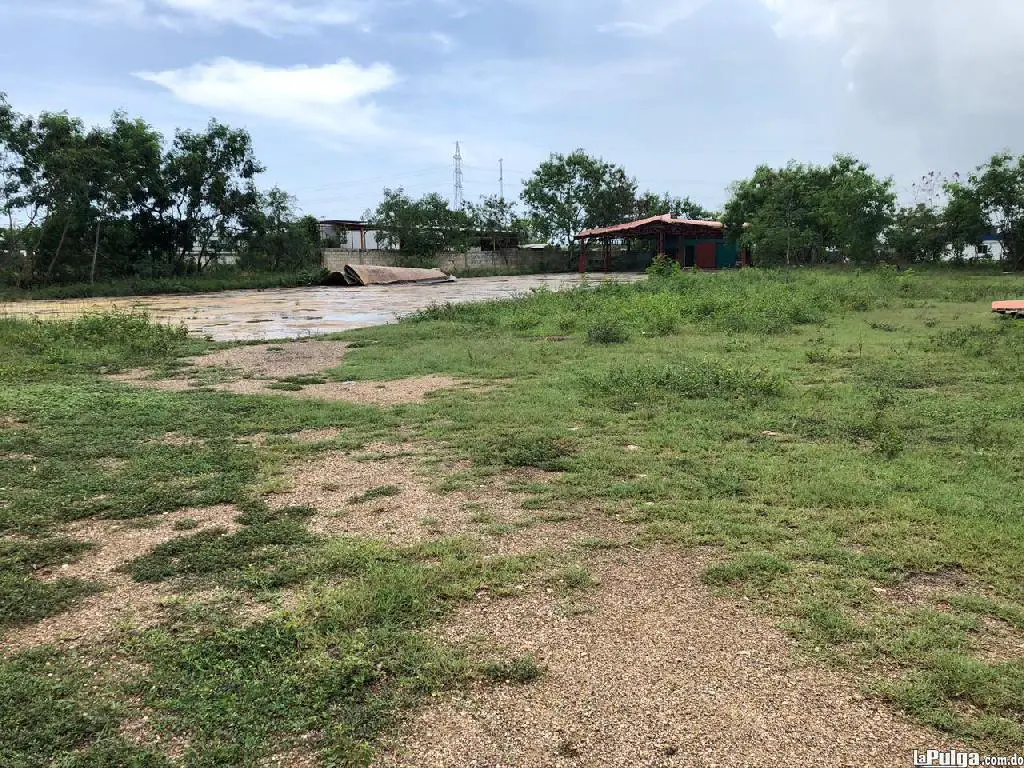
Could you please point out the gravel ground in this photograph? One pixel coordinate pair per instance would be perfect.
(250, 370)
(330, 482)
(123, 600)
(655, 671)
(380, 393)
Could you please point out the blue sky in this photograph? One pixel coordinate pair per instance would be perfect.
(344, 97)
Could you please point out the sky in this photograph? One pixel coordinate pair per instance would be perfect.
(346, 97)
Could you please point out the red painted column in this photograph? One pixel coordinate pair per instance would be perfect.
(583, 256)
(607, 253)
(661, 243)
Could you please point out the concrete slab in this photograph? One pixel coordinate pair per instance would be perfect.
(296, 312)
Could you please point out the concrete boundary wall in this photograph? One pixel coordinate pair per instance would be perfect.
(520, 259)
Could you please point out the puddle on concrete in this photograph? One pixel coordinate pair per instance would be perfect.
(286, 312)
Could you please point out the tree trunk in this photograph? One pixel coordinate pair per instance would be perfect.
(95, 252)
(56, 254)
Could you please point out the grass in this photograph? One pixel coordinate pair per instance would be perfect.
(837, 437)
(380, 492)
(225, 279)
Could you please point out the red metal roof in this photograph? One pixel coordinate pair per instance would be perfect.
(665, 222)
(1014, 308)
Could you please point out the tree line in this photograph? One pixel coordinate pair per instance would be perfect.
(118, 201)
(802, 214)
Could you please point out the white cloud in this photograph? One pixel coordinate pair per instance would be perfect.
(270, 17)
(332, 99)
(948, 70)
(651, 17)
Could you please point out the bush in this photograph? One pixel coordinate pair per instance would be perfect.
(608, 330)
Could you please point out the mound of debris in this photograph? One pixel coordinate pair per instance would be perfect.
(366, 274)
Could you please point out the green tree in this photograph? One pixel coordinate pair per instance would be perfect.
(804, 214)
(420, 229)
(650, 204)
(918, 235)
(570, 193)
(210, 178)
(276, 238)
(992, 201)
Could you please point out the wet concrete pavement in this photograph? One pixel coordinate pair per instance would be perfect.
(296, 312)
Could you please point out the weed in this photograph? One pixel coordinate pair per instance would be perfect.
(522, 670)
(757, 569)
(607, 331)
(380, 492)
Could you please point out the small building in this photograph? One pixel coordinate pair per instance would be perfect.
(350, 235)
(690, 242)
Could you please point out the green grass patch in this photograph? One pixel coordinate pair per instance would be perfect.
(380, 492)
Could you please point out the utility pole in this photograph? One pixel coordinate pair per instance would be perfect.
(459, 193)
(501, 187)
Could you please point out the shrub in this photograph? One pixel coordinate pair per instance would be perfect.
(608, 330)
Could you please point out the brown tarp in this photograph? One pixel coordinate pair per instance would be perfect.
(365, 274)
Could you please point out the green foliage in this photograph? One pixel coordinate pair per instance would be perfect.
(340, 668)
(801, 213)
(992, 200)
(46, 710)
(637, 386)
(100, 343)
(650, 204)
(608, 330)
(380, 492)
(522, 670)
(421, 229)
(112, 203)
(664, 266)
(757, 568)
(569, 193)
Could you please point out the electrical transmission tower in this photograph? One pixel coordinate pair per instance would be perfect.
(501, 179)
(458, 196)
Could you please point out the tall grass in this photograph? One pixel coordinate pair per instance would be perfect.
(220, 280)
(754, 301)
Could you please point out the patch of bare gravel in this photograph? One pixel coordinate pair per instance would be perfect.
(926, 588)
(255, 361)
(276, 361)
(251, 370)
(658, 673)
(380, 393)
(331, 482)
(124, 601)
(178, 440)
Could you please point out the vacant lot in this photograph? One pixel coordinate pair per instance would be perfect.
(693, 520)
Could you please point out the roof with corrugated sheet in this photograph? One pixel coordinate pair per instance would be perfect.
(654, 225)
